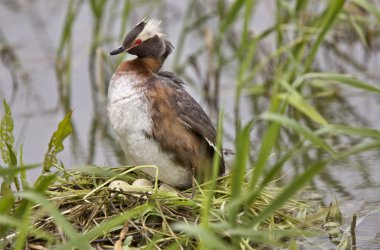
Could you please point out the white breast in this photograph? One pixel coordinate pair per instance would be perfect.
(128, 112)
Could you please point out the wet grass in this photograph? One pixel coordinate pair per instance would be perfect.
(280, 75)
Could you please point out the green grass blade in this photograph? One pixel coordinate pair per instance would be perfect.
(40, 187)
(271, 236)
(6, 206)
(206, 237)
(338, 129)
(249, 196)
(284, 49)
(267, 145)
(23, 178)
(60, 220)
(15, 170)
(12, 164)
(331, 14)
(44, 181)
(297, 101)
(8, 152)
(230, 17)
(299, 129)
(238, 172)
(303, 106)
(338, 78)
(82, 241)
(361, 148)
(296, 185)
(359, 30)
(56, 142)
(270, 138)
(22, 232)
(72, 11)
(6, 133)
(277, 167)
(9, 221)
(301, 5)
(368, 6)
(207, 201)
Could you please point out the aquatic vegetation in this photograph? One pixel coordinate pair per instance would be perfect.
(76, 208)
(292, 76)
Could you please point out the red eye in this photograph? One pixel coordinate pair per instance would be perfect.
(138, 42)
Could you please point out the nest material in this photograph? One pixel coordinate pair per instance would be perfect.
(86, 202)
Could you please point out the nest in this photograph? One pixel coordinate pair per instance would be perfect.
(87, 202)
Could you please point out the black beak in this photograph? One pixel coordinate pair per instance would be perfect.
(117, 51)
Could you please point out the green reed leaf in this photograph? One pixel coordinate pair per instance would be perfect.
(231, 15)
(6, 135)
(370, 7)
(331, 14)
(59, 219)
(299, 129)
(81, 241)
(206, 237)
(6, 206)
(209, 194)
(338, 78)
(338, 129)
(238, 171)
(267, 144)
(297, 101)
(296, 185)
(56, 142)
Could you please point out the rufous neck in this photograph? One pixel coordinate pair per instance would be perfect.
(153, 64)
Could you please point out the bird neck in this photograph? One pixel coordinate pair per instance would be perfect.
(145, 66)
(153, 64)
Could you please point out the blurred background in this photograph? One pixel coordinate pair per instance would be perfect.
(54, 58)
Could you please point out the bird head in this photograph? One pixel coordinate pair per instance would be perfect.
(146, 40)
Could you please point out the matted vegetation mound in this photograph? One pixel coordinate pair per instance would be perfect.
(150, 217)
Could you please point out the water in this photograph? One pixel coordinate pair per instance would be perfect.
(32, 30)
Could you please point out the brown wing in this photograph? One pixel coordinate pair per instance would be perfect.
(188, 110)
(181, 126)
